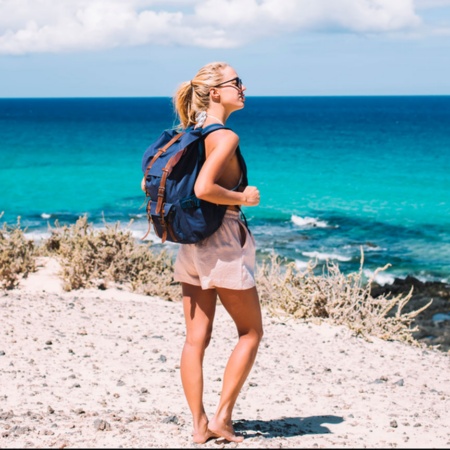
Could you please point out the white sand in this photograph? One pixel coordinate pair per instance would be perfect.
(99, 369)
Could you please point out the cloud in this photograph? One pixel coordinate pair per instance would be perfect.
(31, 26)
(431, 4)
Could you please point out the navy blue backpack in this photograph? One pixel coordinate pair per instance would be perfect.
(171, 166)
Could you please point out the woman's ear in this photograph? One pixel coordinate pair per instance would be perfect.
(215, 95)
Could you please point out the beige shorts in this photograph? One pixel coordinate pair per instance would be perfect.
(226, 259)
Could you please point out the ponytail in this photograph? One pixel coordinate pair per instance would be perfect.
(192, 97)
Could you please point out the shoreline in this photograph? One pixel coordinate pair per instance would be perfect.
(100, 369)
(434, 322)
(138, 227)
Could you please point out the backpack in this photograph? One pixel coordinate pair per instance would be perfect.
(171, 166)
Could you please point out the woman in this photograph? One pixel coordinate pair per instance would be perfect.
(223, 264)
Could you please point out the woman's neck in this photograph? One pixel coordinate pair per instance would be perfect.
(211, 116)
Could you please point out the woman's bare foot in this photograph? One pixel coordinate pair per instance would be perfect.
(203, 434)
(224, 430)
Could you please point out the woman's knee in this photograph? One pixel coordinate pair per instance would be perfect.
(259, 334)
(254, 336)
(197, 340)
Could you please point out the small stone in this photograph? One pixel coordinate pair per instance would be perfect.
(393, 424)
(170, 419)
(101, 425)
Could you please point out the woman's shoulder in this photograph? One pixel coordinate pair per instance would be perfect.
(224, 135)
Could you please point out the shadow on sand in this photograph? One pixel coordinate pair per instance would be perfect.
(286, 426)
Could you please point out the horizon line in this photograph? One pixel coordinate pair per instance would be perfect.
(247, 96)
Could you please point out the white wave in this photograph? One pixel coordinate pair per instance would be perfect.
(139, 233)
(37, 235)
(366, 247)
(301, 265)
(46, 215)
(382, 278)
(325, 256)
(308, 222)
(369, 248)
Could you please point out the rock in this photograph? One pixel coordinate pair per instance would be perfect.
(170, 419)
(101, 425)
(432, 332)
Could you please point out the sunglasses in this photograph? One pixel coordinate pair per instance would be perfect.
(237, 80)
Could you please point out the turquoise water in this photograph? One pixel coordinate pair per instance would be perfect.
(335, 173)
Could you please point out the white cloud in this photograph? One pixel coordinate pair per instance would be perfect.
(350, 15)
(28, 26)
(431, 4)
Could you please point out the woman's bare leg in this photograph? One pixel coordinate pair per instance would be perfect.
(245, 310)
(199, 309)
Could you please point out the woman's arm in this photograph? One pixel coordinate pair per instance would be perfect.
(220, 148)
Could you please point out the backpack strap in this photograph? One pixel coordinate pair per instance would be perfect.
(162, 189)
(213, 127)
(155, 157)
(160, 152)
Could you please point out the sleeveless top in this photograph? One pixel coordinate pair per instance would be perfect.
(243, 181)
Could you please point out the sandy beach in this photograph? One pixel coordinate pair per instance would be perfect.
(100, 369)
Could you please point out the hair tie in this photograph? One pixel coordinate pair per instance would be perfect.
(200, 118)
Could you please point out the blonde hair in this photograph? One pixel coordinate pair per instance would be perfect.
(192, 96)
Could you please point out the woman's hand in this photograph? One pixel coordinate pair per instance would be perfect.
(251, 196)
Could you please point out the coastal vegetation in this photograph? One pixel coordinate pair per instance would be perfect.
(341, 299)
(111, 256)
(17, 255)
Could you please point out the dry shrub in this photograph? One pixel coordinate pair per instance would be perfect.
(152, 274)
(96, 258)
(340, 299)
(17, 255)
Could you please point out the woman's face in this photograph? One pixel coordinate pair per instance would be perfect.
(231, 89)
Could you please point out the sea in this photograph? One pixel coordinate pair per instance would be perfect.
(358, 182)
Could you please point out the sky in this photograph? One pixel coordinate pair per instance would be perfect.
(146, 48)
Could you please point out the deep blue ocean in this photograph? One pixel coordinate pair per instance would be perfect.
(336, 174)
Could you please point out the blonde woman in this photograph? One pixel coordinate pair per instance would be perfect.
(223, 264)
